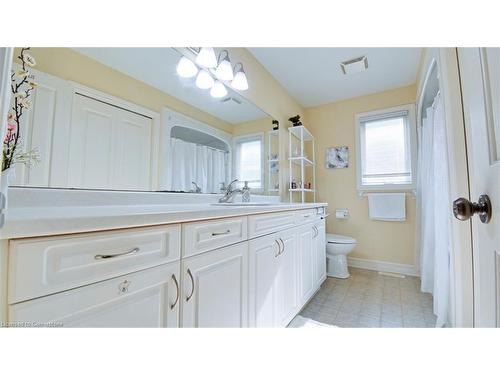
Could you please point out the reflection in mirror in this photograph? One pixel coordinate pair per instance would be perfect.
(124, 119)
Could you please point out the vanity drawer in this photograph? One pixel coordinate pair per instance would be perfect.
(305, 216)
(44, 266)
(138, 299)
(259, 225)
(207, 235)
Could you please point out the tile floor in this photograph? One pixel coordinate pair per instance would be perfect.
(368, 299)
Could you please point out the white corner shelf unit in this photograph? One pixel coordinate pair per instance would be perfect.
(273, 161)
(301, 137)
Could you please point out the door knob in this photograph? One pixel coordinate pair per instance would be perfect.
(463, 209)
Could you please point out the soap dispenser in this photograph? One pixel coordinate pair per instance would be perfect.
(245, 192)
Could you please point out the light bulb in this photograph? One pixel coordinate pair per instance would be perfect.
(186, 68)
(204, 80)
(240, 78)
(224, 70)
(218, 90)
(206, 57)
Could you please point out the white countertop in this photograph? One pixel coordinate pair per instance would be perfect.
(42, 221)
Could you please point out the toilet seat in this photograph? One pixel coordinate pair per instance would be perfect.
(337, 238)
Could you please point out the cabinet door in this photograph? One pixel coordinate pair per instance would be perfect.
(307, 265)
(147, 298)
(320, 252)
(286, 278)
(215, 288)
(263, 268)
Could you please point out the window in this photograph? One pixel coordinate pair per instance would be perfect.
(248, 160)
(386, 149)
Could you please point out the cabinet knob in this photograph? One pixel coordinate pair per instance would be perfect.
(123, 287)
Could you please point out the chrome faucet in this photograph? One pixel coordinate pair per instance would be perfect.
(229, 193)
(196, 189)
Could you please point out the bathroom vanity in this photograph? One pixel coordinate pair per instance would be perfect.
(94, 234)
(162, 265)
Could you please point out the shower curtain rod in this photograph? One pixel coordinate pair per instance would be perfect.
(200, 144)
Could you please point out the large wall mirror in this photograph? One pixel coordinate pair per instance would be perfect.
(124, 119)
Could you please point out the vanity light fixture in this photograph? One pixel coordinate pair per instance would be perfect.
(210, 72)
(204, 80)
(224, 70)
(186, 68)
(218, 90)
(239, 81)
(206, 57)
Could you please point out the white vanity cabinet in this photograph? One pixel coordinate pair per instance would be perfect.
(273, 283)
(226, 272)
(215, 288)
(319, 249)
(148, 298)
(307, 260)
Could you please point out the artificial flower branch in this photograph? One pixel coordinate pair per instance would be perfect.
(22, 84)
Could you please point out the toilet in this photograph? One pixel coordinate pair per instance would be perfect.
(337, 248)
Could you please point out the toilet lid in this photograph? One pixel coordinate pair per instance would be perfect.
(337, 238)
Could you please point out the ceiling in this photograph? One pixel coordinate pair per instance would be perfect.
(157, 67)
(313, 75)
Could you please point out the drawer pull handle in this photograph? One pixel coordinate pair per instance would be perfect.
(192, 285)
(316, 232)
(282, 251)
(279, 248)
(177, 292)
(221, 233)
(109, 256)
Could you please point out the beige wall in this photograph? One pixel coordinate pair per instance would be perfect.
(333, 125)
(73, 66)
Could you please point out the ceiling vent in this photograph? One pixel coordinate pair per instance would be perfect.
(356, 65)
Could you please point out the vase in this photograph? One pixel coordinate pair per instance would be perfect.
(7, 178)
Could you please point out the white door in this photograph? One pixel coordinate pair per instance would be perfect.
(148, 298)
(263, 268)
(307, 265)
(109, 148)
(215, 288)
(286, 279)
(319, 246)
(480, 78)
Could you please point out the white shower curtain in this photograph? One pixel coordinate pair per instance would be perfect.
(192, 162)
(435, 212)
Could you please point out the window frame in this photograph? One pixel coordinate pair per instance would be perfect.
(411, 131)
(248, 138)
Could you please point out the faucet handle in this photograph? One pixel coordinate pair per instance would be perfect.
(231, 183)
(196, 187)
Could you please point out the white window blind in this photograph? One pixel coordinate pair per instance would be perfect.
(385, 149)
(248, 161)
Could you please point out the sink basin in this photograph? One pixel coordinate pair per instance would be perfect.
(243, 204)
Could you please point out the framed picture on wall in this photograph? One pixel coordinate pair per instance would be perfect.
(337, 157)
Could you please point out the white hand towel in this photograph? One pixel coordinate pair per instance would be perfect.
(387, 206)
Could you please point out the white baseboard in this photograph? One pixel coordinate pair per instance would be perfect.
(377, 265)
